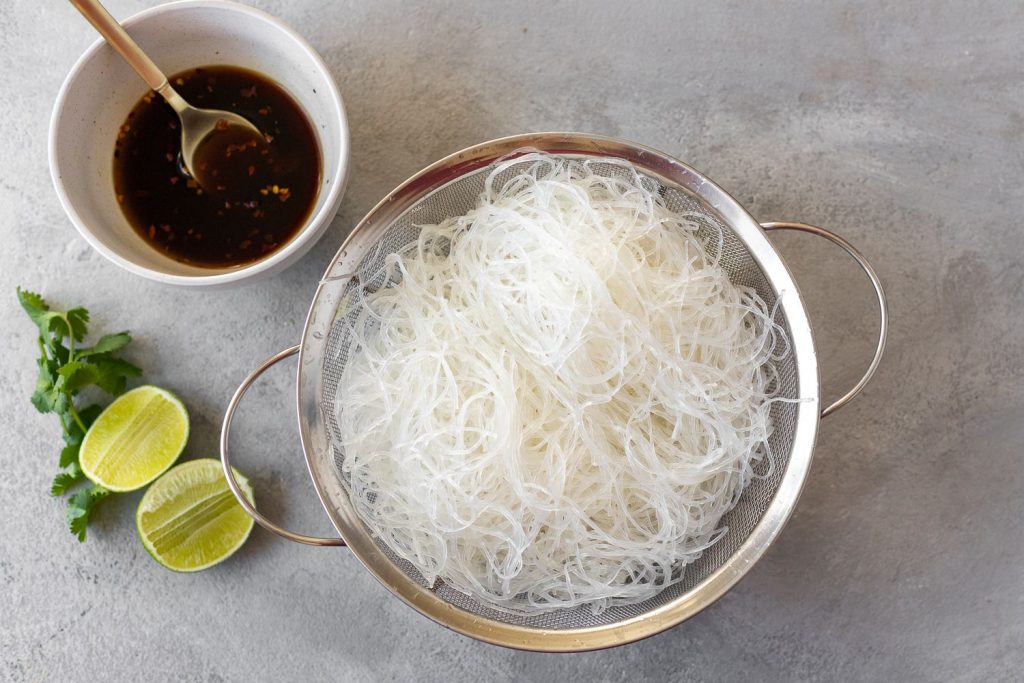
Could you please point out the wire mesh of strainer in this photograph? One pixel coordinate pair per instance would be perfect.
(451, 187)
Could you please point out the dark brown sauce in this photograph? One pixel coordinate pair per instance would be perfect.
(263, 190)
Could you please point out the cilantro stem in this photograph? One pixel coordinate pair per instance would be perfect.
(78, 420)
(71, 337)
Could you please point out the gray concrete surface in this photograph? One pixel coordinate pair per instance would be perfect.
(897, 124)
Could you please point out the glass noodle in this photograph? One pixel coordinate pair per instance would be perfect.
(559, 394)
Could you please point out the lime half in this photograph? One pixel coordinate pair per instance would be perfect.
(189, 519)
(135, 439)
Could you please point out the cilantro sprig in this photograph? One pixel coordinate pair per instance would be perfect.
(65, 368)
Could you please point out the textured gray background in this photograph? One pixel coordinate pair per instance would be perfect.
(898, 124)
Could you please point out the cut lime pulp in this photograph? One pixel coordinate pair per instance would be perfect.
(135, 439)
(189, 519)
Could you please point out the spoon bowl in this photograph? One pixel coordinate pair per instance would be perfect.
(196, 124)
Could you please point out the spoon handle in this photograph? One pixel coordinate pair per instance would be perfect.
(114, 33)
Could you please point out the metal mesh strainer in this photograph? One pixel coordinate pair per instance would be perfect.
(450, 188)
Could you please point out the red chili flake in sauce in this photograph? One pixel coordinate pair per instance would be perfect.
(154, 191)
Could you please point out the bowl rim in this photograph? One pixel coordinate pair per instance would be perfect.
(319, 458)
(307, 235)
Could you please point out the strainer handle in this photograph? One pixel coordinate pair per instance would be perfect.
(883, 308)
(225, 460)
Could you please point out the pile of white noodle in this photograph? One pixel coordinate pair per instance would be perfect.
(559, 395)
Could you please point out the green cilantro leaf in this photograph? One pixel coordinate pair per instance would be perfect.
(32, 302)
(65, 368)
(77, 318)
(66, 479)
(69, 454)
(77, 374)
(38, 310)
(108, 343)
(44, 398)
(73, 436)
(80, 507)
(62, 482)
(113, 373)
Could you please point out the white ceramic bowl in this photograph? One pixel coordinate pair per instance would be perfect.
(101, 89)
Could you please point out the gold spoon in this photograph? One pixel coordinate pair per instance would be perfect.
(196, 124)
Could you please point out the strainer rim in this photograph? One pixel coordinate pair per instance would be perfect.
(315, 442)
